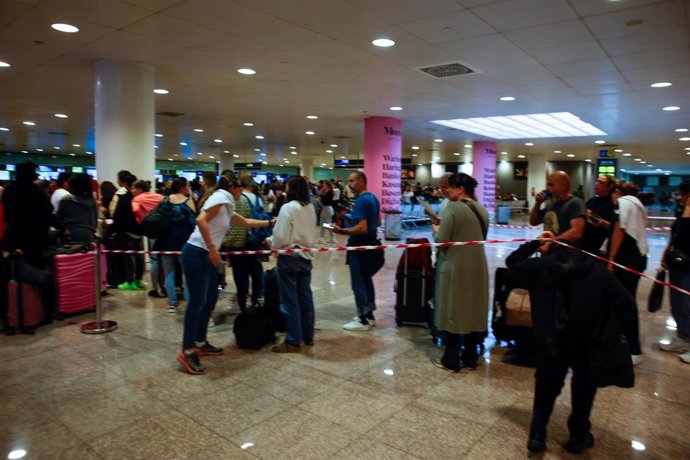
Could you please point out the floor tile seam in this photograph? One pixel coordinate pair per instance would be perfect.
(654, 398)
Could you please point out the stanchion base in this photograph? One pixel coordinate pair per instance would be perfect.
(96, 327)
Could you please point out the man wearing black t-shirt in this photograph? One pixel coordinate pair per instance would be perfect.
(563, 214)
(600, 214)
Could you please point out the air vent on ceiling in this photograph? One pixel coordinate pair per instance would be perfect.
(170, 114)
(57, 134)
(447, 70)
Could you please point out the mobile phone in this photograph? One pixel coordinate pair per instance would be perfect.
(328, 226)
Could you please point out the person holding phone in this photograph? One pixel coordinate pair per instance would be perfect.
(563, 213)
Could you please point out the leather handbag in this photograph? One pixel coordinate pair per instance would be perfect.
(656, 294)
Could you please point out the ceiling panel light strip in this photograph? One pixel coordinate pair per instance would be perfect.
(531, 126)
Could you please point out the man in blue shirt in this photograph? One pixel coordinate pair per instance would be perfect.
(364, 264)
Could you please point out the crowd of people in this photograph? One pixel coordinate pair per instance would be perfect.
(573, 296)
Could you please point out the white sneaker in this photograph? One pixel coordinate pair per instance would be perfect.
(636, 359)
(356, 325)
(676, 345)
(370, 321)
(685, 357)
(173, 309)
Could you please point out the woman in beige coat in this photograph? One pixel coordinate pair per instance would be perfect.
(462, 279)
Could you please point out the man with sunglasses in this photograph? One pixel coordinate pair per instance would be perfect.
(563, 213)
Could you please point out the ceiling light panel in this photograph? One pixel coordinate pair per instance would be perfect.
(538, 125)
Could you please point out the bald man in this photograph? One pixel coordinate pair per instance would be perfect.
(563, 213)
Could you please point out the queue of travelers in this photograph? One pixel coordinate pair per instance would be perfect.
(573, 296)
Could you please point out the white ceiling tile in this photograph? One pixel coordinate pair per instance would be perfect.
(650, 41)
(447, 27)
(171, 30)
(661, 16)
(519, 14)
(517, 66)
(604, 89)
(231, 47)
(585, 67)
(653, 74)
(111, 13)
(653, 58)
(473, 3)
(578, 81)
(563, 33)
(153, 5)
(397, 11)
(592, 7)
(11, 10)
(486, 45)
(568, 53)
(123, 45)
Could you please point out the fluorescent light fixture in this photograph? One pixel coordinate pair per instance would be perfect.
(504, 153)
(247, 445)
(212, 157)
(234, 155)
(198, 130)
(329, 151)
(600, 142)
(158, 135)
(248, 123)
(56, 147)
(313, 117)
(292, 147)
(217, 141)
(262, 154)
(671, 108)
(183, 144)
(334, 145)
(25, 151)
(4, 129)
(536, 125)
(681, 130)
(556, 151)
(89, 153)
(637, 445)
(309, 133)
(76, 145)
(72, 154)
(264, 162)
(383, 42)
(457, 154)
(529, 144)
(507, 98)
(161, 91)
(323, 164)
(684, 139)
(659, 169)
(39, 150)
(395, 108)
(643, 162)
(257, 150)
(16, 454)
(438, 141)
(588, 160)
(638, 159)
(521, 156)
(199, 153)
(170, 159)
(4, 64)
(626, 154)
(67, 28)
(259, 137)
(28, 123)
(618, 150)
(60, 115)
(661, 84)
(294, 152)
(468, 146)
(388, 372)
(570, 155)
(414, 147)
(414, 154)
(245, 71)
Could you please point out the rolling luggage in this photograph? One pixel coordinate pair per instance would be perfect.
(74, 279)
(272, 299)
(512, 325)
(414, 285)
(253, 328)
(24, 307)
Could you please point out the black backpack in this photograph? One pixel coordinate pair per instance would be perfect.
(272, 300)
(157, 222)
(253, 328)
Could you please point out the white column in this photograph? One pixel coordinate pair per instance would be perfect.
(307, 169)
(536, 176)
(124, 119)
(226, 162)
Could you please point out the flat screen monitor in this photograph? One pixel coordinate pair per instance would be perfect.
(91, 172)
(77, 169)
(4, 175)
(10, 167)
(190, 176)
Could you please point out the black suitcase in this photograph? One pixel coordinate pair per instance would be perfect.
(414, 289)
(521, 337)
(272, 299)
(253, 328)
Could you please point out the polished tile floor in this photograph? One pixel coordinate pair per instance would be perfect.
(64, 395)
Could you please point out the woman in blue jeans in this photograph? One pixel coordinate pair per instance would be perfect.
(200, 260)
(295, 229)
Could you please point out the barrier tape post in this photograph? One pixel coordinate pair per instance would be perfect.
(99, 326)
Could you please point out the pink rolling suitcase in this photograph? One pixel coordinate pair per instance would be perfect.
(24, 308)
(74, 278)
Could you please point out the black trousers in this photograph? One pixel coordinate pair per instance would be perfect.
(243, 268)
(549, 379)
(631, 327)
(451, 355)
(133, 263)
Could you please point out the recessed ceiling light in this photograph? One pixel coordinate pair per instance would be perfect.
(67, 28)
(56, 147)
(334, 145)
(76, 145)
(414, 147)
(264, 162)
(507, 98)
(198, 130)
(650, 166)
(626, 154)
(643, 162)
(259, 137)
(638, 159)
(72, 154)
(618, 150)
(292, 147)
(588, 160)
(395, 108)
(60, 115)
(245, 71)
(199, 153)
(293, 153)
(600, 142)
(4, 64)
(414, 154)
(570, 155)
(687, 148)
(158, 135)
(536, 125)
(234, 155)
(257, 150)
(529, 144)
(155, 146)
(329, 151)
(262, 154)
(25, 151)
(681, 130)
(309, 133)
(39, 150)
(313, 117)
(4, 129)
(383, 42)
(504, 153)
(29, 123)
(217, 141)
(280, 165)
(556, 151)
(671, 108)
(661, 84)
(684, 139)
(212, 157)
(184, 144)
(521, 156)
(170, 159)
(457, 154)
(438, 141)
(161, 91)
(248, 123)
(659, 169)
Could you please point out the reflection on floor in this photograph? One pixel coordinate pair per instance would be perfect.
(355, 395)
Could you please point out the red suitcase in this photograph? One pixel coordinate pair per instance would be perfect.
(74, 278)
(24, 307)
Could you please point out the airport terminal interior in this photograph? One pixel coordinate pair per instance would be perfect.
(277, 88)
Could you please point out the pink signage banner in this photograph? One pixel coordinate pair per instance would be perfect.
(484, 171)
(383, 159)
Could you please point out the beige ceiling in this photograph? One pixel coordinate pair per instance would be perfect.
(316, 57)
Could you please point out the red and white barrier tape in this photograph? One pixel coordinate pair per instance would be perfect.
(530, 227)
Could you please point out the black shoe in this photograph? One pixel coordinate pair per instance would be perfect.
(439, 363)
(191, 363)
(536, 443)
(154, 293)
(578, 445)
(164, 292)
(208, 349)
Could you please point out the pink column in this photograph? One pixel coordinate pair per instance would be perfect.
(484, 171)
(382, 159)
